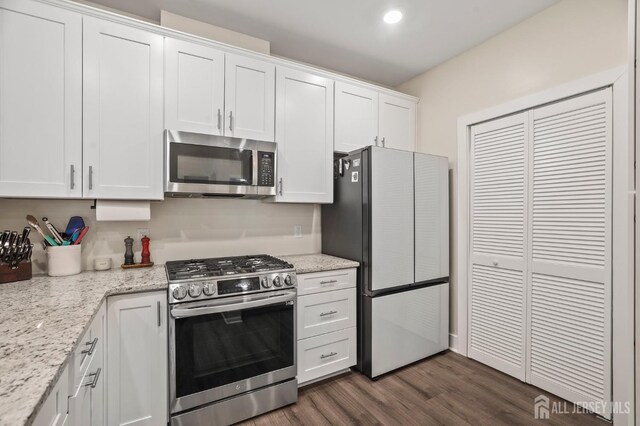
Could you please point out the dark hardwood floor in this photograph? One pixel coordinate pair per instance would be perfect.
(447, 389)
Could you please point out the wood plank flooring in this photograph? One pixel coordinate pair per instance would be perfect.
(446, 389)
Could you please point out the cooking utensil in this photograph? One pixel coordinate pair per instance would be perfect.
(53, 230)
(34, 224)
(81, 236)
(75, 223)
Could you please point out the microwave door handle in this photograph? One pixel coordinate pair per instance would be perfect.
(192, 312)
(254, 174)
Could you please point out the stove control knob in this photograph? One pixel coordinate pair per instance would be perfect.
(179, 293)
(288, 280)
(195, 290)
(277, 281)
(266, 283)
(209, 289)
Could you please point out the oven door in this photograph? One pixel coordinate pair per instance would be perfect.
(224, 347)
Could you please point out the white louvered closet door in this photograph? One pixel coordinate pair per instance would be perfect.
(570, 265)
(498, 240)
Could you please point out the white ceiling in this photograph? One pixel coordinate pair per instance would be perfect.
(349, 36)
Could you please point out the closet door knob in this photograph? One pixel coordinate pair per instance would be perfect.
(495, 263)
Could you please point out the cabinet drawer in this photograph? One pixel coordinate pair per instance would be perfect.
(54, 410)
(318, 282)
(326, 354)
(80, 401)
(322, 313)
(90, 343)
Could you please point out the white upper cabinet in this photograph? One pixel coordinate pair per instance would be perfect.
(40, 100)
(194, 87)
(397, 125)
(304, 134)
(249, 98)
(356, 117)
(123, 112)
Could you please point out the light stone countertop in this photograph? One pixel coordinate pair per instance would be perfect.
(307, 263)
(42, 320)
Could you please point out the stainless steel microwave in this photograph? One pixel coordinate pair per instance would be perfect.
(199, 165)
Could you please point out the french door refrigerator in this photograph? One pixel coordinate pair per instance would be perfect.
(391, 214)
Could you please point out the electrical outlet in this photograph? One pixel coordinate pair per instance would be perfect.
(142, 232)
(297, 231)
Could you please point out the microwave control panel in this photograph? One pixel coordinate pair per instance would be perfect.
(266, 168)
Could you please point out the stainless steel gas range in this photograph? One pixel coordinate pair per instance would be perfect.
(232, 335)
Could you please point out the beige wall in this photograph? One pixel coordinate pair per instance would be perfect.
(570, 40)
(213, 32)
(179, 228)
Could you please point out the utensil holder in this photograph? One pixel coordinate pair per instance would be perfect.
(21, 273)
(64, 260)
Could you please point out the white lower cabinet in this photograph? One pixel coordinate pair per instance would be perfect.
(87, 396)
(324, 355)
(53, 411)
(137, 369)
(326, 324)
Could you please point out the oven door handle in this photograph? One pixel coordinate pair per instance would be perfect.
(270, 300)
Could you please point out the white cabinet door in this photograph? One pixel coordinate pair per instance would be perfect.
(194, 87)
(498, 256)
(356, 117)
(123, 112)
(304, 116)
(40, 100)
(137, 367)
(397, 128)
(249, 98)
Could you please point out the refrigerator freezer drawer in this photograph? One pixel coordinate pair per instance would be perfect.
(408, 326)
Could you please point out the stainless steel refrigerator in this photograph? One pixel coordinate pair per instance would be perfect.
(391, 214)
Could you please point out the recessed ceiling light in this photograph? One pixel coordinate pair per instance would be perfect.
(392, 17)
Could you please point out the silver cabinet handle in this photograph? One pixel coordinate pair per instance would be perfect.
(329, 282)
(73, 177)
(219, 119)
(376, 140)
(323, 356)
(231, 120)
(159, 314)
(324, 314)
(92, 345)
(90, 177)
(383, 143)
(280, 183)
(95, 376)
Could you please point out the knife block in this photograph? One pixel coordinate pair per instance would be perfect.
(21, 273)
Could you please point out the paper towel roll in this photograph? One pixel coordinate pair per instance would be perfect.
(121, 210)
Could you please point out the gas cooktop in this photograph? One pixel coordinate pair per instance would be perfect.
(223, 266)
(199, 279)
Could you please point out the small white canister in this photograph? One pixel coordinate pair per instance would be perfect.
(64, 260)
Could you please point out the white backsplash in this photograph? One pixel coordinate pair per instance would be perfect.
(179, 228)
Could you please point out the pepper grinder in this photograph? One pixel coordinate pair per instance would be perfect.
(146, 255)
(128, 254)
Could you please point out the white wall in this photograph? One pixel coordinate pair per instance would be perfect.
(570, 40)
(179, 228)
